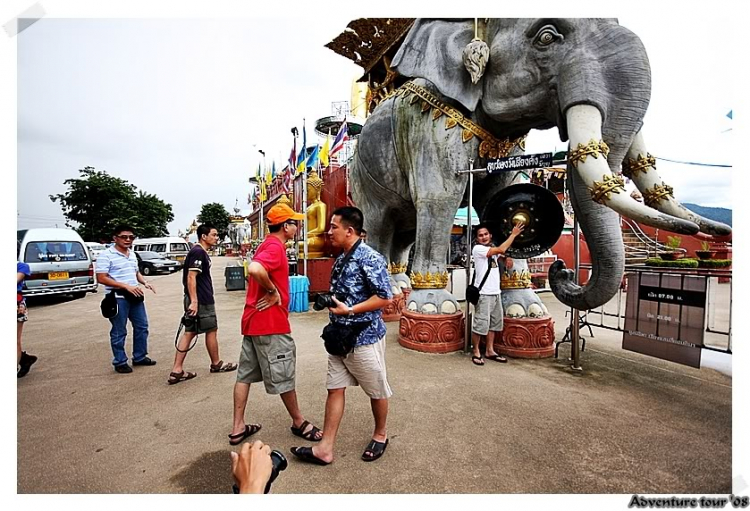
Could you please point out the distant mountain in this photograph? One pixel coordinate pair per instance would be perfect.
(722, 215)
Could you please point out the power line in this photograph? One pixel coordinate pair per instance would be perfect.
(695, 163)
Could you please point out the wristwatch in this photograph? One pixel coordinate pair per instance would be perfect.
(351, 311)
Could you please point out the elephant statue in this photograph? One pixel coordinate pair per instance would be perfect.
(474, 91)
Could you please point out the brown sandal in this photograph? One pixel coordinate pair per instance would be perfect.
(181, 376)
(221, 367)
(250, 430)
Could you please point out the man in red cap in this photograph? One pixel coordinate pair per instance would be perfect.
(268, 350)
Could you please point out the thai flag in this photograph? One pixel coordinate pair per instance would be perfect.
(341, 137)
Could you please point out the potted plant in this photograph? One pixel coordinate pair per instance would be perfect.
(705, 252)
(672, 253)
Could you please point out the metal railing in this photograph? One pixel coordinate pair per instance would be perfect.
(718, 305)
(653, 247)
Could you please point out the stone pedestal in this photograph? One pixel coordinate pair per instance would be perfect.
(527, 337)
(431, 333)
(392, 312)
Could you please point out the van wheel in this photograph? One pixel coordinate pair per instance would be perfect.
(146, 270)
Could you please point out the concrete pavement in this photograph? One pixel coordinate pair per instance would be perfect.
(627, 424)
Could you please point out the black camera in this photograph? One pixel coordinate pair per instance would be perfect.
(325, 300)
(279, 465)
(189, 321)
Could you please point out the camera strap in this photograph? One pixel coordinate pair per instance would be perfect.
(344, 262)
(180, 328)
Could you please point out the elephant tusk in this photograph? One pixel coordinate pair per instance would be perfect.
(641, 168)
(588, 155)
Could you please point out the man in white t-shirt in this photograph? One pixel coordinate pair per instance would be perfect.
(488, 312)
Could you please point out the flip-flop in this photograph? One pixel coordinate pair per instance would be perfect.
(181, 376)
(306, 454)
(310, 435)
(376, 448)
(477, 361)
(250, 430)
(496, 358)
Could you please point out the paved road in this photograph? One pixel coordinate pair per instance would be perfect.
(627, 424)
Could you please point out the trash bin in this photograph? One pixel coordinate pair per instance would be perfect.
(235, 278)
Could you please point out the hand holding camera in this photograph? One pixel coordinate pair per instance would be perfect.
(256, 467)
(339, 308)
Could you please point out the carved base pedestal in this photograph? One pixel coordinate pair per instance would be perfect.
(527, 338)
(431, 333)
(392, 312)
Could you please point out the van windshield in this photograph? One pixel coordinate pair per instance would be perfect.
(54, 251)
(178, 247)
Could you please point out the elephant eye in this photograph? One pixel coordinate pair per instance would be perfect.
(547, 35)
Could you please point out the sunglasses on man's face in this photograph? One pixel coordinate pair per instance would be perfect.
(292, 223)
(126, 237)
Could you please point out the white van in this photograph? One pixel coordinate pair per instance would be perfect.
(169, 247)
(59, 262)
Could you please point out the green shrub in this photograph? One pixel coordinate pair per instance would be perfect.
(705, 247)
(674, 241)
(679, 263)
(715, 263)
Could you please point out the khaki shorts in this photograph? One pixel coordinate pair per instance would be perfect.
(270, 359)
(205, 319)
(364, 367)
(488, 315)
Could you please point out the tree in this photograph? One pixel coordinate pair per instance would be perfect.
(97, 202)
(216, 215)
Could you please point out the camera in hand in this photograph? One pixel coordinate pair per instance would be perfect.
(279, 465)
(325, 300)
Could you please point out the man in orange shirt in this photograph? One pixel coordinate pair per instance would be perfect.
(268, 350)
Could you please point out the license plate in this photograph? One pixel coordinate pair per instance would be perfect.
(58, 275)
(180, 258)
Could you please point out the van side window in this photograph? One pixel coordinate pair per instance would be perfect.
(140, 248)
(178, 247)
(162, 247)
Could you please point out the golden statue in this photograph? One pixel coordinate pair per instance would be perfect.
(316, 219)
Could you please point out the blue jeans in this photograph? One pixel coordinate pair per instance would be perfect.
(137, 315)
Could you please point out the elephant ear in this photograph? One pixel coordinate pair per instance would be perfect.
(433, 50)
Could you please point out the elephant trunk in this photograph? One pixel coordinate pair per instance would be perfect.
(604, 94)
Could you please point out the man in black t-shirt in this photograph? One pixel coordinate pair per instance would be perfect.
(199, 307)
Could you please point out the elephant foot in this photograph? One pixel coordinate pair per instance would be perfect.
(432, 301)
(523, 303)
(401, 280)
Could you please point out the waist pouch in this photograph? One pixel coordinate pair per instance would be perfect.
(109, 306)
(339, 340)
(130, 297)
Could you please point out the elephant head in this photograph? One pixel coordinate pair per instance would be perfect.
(591, 79)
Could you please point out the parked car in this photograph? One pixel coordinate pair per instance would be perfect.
(152, 262)
(169, 247)
(95, 249)
(59, 262)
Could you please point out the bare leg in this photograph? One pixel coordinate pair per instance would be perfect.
(179, 356)
(212, 346)
(334, 412)
(475, 340)
(490, 344)
(380, 413)
(241, 391)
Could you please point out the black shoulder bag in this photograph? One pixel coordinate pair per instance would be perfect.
(472, 291)
(339, 339)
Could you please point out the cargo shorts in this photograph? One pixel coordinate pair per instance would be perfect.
(363, 367)
(205, 320)
(271, 359)
(488, 315)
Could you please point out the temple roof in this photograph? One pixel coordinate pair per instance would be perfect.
(366, 40)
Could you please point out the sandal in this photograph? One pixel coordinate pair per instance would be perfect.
(306, 454)
(496, 358)
(310, 435)
(221, 367)
(181, 376)
(376, 448)
(477, 361)
(250, 430)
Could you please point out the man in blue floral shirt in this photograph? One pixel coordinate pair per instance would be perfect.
(364, 286)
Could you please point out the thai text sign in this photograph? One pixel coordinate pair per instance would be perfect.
(665, 316)
(521, 162)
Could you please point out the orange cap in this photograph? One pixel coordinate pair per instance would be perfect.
(280, 213)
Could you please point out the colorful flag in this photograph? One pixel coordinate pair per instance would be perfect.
(324, 152)
(312, 160)
(341, 137)
(273, 169)
(293, 155)
(302, 156)
(288, 180)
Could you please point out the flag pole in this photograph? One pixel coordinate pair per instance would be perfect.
(304, 198)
